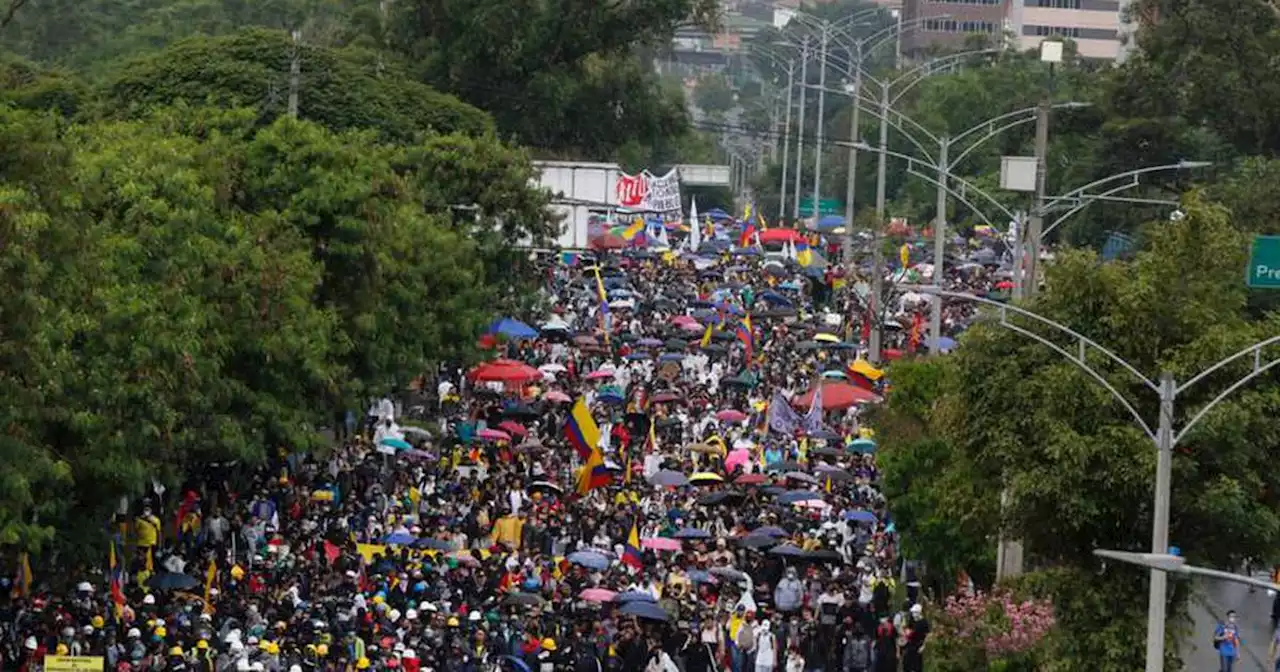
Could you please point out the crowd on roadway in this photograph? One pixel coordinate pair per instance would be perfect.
(670, 470)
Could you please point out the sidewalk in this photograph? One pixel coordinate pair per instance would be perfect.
(1209, 605)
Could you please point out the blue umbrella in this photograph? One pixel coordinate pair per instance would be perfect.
(433, 544)
(398, 444)
(172, 581)
(634, 596)
(798, 496)
(830, 222)
(701, 576)
(401, 539)
(789, 550)
(513, 329)
(863, 446)
(718, 214)
(589, 559)
(646, 610)
(649, 343)
(636, 356)
(516, 663)
(945, 344)
(776, 299)
(669, 478)
(790, 286)
(860, 516)
(671, 357)
(770, 531)
(610, 397)
(692, 533)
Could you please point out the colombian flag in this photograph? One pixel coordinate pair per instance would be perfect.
(593, 474)
(804, 255)
(631, 552)
(706, 338)
(581, 430)
(745, 335)
(748, 234)
(636, 228)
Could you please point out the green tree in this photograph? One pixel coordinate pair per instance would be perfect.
(713, 94)
(338, 88)
(1009, 414)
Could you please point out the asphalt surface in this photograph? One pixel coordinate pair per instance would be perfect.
(1209, 606)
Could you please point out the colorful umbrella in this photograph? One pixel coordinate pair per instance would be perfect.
(661, 544)
(836, 395)
(493, 435)
(731, 415)
(504, 371)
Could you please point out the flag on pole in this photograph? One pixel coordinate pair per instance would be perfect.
(209, 575)
(706, 338)
(581, 429)
(745, 334)
(23, 584)
(631, 554)
(593, 474)
(695, 227)
(606, 320)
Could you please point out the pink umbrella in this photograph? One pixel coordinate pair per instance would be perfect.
(813, 504)
(557, 396)
(736, 457)
(691, 327)
(684, 320)
(493, 435)
(512, 428)
(661, 544)
(597, 595)
(731, 415)
(600, 374)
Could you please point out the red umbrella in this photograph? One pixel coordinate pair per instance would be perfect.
(731, 415)
(609, 241)
(513, 428)
(1004, 284)
(781, 236)
(836, 395)
(504, 371)
(751, 479)
(666, 397)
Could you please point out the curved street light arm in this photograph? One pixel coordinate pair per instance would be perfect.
(955, 194)
(991, 122)
(969, 186)
(929, 65)
(875, 114)
(1086, 202)
(1255, 350)
(1181, 165)
(1083, 343)
(1258, 370)
(903, 117)
(993, 131)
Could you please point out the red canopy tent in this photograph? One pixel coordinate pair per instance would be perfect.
(836, 395)
(504, 371)
(782, 236)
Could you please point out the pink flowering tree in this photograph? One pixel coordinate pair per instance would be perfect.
(990, 631)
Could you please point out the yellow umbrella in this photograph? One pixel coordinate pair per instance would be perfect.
(705, 478)
(827, 338)
(863, 367)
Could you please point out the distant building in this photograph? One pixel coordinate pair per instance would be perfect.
(1093, 25)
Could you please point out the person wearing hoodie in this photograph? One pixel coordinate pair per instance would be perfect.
(788, 596)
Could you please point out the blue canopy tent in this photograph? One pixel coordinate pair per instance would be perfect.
(513, 329)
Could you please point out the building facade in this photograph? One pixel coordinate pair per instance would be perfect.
(1093, 25)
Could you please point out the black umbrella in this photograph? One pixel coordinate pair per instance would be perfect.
(432, 544)
(721, 497)
(523, 599)
(172, 581)
(757, 541)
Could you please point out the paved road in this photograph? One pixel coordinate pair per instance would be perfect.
(1208, 607)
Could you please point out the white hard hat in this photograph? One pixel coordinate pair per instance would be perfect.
(410, 653)
(411, 615)
(149, 599)
(393, 615)
(84, 587)
(134, 632)
(474, 616)
(31, 644)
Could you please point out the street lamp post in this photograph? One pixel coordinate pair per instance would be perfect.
(804, 79)
(825, 36)
(1165, 436)
(786, 142)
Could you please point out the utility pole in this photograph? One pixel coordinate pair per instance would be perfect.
(822, 100)
(1032, 269)
(295, 75)
(877, 259)
(786, 143)
(804, 81)
(939, 243)
(851, 178)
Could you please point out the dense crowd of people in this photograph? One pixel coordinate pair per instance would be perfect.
(669, 471)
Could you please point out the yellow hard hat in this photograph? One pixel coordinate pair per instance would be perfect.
(237, 572)
(322, 650)
(61, 650)
(362, 664)
(452, 622)
(175, 651)
(549, 644)
(273, 648)
(202, 644)
(161, 632)
(96, 622)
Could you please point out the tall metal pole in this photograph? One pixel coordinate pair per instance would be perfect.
(1031, 271)
(851, 178)
(822, 99)
(1160, 524)
(804, 81)
(877, 260)
(939, 243)
(786, 143)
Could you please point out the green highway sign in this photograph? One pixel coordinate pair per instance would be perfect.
(826, 206)
(1264, 263)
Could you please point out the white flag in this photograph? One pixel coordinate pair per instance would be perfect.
(695, 229)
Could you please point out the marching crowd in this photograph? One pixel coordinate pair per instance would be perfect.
(668, 472)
